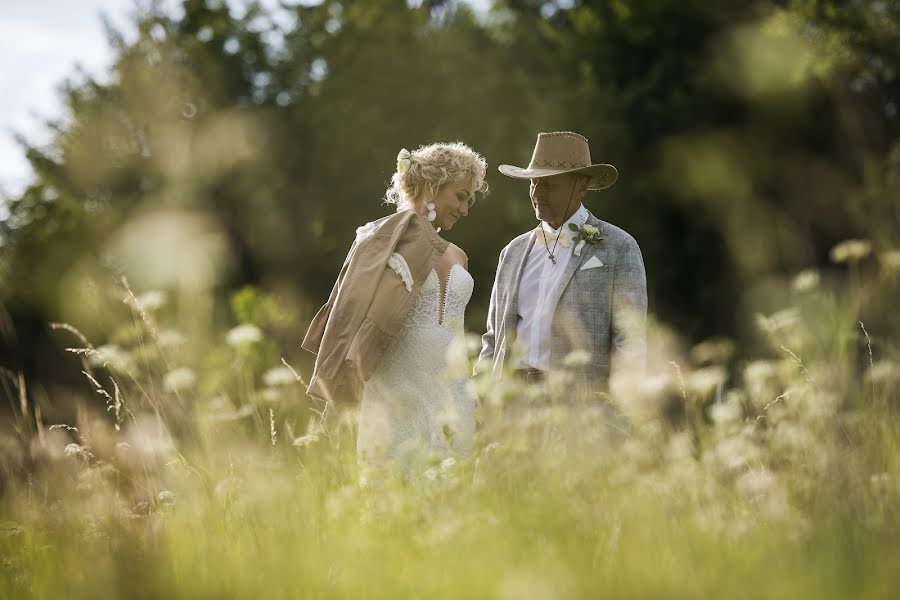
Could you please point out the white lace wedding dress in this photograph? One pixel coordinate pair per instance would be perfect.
(414, 409)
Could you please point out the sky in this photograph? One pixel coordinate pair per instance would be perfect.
(45, 42)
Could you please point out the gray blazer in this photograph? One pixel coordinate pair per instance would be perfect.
(601, 310)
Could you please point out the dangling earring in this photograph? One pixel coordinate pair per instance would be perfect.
(431, 214)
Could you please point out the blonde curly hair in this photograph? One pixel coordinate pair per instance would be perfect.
(432, 166)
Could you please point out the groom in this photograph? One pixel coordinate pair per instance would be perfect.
(571, 293)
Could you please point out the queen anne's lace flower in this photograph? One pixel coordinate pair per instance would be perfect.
(279, 376)
(851, 251)
(180, 379)
(243, 334)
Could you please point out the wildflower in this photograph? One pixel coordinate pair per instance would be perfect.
(457, 355)
(179, 380)
(851, 251)
(778, 321)
(170, 338)
(791, 437)
(760, 372)
(734, 452)
(883, 371)
(729, 411)
(271, 395)
(577, 358)
(165, 497)
(705, 381)
(74, 450)
(152, 300)
(305, 440)
(447, 465)
(716, 350)
(755, 483)
(680, 448)
(279, 376)
(113, 357)
(806, 280)
(243, 335)
(431, 474)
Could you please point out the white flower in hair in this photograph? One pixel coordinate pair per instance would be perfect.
(403, 161)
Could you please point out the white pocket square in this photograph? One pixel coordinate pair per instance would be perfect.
(592, 263)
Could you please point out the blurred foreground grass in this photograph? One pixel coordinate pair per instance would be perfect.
(213, 475)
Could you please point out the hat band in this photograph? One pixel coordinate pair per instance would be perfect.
(547, 164)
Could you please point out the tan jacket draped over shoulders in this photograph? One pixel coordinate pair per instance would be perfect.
(381, 276)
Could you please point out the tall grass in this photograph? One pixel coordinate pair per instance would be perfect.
(214, 475)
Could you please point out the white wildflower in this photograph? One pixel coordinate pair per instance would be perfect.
(74, 450)
(715, 351)
(279, 376)
(883, 371)
(306, 440)
(851, 251)
(760, 372)
(113, 357)
(165, 497)
(756, 483)
(790, 437)
(778, 321)
(152, 300)
(806, 280)
(179, 380)
(729, 411)
(681, 447)
(705, 381)
(431, 474)
(270, 395)
(169, 338)
(243, 335)
(457, 356)
(734, 452)
(577, 358)
(149, 437)
(447, 465)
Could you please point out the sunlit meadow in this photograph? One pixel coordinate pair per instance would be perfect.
(213, 474)
(191, 462)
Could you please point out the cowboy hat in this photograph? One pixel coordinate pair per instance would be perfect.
(563, 152)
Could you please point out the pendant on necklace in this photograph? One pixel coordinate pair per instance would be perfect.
(552, 258)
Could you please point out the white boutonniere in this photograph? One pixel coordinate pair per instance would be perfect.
(403, 161)
(586, 234)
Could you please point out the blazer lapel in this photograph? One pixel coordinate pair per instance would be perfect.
(575, 262)
(518, 262)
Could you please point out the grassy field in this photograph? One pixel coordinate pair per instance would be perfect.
(217, 477)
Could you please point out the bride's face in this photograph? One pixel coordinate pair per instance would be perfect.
(452, 203)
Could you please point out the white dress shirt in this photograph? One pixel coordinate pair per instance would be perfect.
(540, 279)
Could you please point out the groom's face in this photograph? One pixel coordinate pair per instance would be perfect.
(550, 197)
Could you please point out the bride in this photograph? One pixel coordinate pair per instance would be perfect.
(397, 306)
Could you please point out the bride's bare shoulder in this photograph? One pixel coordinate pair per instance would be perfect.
(455, 255)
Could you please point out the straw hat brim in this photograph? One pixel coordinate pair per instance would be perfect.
(602, 175)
